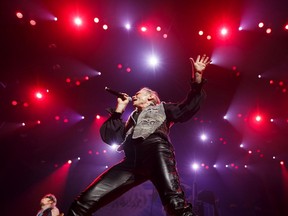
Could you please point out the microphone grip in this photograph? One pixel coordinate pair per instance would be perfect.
(117, 94)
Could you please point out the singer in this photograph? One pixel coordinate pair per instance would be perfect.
(149, 154)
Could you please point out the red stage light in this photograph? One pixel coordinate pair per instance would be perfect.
(119, 66)
(261, 25)
(268, 30)
(78, 21)
(19, 15)
(32, 22)
(143, 29)
(224, 31)
(105, 27)
(14, 102)
(96, 20)
(258, 118)
(128, 69)
(38, 95)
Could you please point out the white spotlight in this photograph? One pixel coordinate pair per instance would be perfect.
(203, 137)
(128, 26)
(195, 166)
(114, 146)
(153, 61)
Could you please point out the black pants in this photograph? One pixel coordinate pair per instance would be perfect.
(152, 160)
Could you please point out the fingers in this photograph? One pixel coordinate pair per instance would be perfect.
(192, 60)
(201, 59)
(205, 59)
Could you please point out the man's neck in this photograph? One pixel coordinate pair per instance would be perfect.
(44, 207)
(144, 106)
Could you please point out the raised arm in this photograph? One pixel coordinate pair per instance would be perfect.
(180, 112)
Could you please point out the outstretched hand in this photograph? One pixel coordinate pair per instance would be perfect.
(199, 66)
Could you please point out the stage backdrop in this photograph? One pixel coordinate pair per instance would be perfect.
(142, 200)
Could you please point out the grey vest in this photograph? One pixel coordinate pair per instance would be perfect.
(149, 120)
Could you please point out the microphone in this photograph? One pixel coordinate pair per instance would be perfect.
(117, 94)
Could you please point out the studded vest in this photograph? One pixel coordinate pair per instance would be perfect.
(150, 120)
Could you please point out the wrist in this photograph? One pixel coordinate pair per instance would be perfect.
(120, 109)
(198, 80)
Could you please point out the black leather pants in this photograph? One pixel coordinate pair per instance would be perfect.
(152, 160)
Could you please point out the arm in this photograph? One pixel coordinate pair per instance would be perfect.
(183, 111)
(180, 112)
(113, 129)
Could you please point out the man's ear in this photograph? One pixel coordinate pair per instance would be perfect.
(150, 98)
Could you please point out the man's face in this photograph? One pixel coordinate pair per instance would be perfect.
(45, 201)
(141, 99)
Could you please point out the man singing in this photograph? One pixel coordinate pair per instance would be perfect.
(149, 154)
